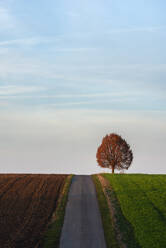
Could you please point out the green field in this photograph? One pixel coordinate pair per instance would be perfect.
(142, 200)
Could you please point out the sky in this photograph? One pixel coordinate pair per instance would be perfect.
(72, 72)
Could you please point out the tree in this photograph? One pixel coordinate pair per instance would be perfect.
(114, 153)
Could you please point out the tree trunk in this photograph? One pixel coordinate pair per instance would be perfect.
(112, 170)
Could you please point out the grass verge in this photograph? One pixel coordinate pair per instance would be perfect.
(142, 200)
(123, 228)
(52, 236)
(109, 231)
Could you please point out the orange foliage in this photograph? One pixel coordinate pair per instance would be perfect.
(114, 153)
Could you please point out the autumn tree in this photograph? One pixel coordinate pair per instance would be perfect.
(114, 153)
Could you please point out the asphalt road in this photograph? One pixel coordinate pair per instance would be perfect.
(82, 224)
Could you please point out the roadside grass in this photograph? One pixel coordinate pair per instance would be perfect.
(52, 235)
(142, 200)
(109, 231)
(122, 226)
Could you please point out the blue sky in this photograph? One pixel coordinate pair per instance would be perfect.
(84, 69)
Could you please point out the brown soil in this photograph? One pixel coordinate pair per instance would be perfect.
(27, 203)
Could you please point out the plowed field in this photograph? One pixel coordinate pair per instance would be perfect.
(27, 202)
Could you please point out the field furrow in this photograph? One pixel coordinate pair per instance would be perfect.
(26, 205)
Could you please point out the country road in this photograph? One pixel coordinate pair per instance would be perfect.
(82, 224)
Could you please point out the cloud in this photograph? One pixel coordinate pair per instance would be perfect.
(4, 51)
(46, 101)
(76, 49)
(4, 103)
(15, 67)
(28, 41)
(73, 14)
(137, 29)
(15, 89)
(7, 90)
(6, 19)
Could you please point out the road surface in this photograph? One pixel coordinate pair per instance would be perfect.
(82, 224)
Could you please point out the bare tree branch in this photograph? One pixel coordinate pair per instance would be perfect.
(114, 153)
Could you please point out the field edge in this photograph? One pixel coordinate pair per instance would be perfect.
(107, 222)
(52, 236)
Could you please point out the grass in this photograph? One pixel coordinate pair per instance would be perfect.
(121, 224)
(142, 199)
(109, 231)
(52, 236)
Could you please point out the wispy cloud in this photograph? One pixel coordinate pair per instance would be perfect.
(16, 67)
(89, 102)
(73, 14)
(75, 49)
(72, 103)
(4, 50)
(33, 41)
(6, 19)
(10, 91)
(94, 95)
(14, 89)
(4, 103)
(137, 29)
(29, 41)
